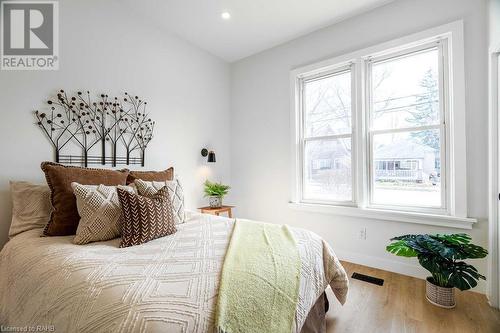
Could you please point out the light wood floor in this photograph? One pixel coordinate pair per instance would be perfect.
(400, 306)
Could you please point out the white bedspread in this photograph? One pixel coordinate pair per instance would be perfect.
(167, 285)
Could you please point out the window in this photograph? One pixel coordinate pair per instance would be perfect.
(406, 125)
(383, 128)
(326, 103)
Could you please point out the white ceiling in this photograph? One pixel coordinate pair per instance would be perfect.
(255, 25)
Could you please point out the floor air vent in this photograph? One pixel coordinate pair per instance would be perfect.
(369, 279)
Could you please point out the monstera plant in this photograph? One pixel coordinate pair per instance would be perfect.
(442, 256)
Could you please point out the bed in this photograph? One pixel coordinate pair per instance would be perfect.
(167, 285)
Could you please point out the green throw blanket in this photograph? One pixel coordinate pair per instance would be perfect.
(259, 286)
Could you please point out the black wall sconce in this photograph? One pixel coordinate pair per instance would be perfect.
(211, 155)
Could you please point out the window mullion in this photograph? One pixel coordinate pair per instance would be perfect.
(367, 166)
(302, 142)
(405, 129)
(443, 107)
(354, 139)
(328, 137)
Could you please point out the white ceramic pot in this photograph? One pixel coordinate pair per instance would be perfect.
(215, 202)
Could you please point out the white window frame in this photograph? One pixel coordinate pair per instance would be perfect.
(441, 44)
(301, 81)
(453, 162)
(494, 181)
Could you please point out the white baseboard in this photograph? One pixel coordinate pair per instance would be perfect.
(385, 264)
(391, 266)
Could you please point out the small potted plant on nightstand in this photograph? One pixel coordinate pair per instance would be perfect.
(215, 192)
(441, 255)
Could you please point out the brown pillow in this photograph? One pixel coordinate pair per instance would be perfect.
(145, 218)
(151, 176)
(64, 218)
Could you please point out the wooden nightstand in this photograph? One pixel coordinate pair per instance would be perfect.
(217, 211)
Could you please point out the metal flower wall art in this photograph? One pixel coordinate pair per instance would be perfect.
(111, 125)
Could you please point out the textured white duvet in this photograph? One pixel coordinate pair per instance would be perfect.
(167, 285)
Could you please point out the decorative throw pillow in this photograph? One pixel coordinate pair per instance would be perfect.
(64, 218)
(30, 206)
(158, 176)
(99, 209)
(174, 190)
(144, 218)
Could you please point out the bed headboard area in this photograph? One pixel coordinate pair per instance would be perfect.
(186, 90)
(107, 130)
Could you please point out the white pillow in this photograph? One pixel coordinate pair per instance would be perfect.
(149, 188)
(31, 206)
(99, 210)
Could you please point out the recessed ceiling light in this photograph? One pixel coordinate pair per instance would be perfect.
(225, 15)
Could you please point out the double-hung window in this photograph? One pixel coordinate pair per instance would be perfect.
(383, 128)
(406, 112)
(327, 136)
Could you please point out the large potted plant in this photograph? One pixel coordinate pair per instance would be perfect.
(442, 256)
(215, 193)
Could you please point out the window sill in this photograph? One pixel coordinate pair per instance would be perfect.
(385, 215)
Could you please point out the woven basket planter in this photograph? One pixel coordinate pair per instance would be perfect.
(439, 296)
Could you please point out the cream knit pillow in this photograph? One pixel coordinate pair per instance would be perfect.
(149, 189)
(99, 210)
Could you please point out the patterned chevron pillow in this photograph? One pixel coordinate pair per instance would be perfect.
(149, 188)
(99, 210)
(145, 218)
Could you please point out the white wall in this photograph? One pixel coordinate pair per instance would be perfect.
(494, 21)
(260, 125)
(106, 48)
